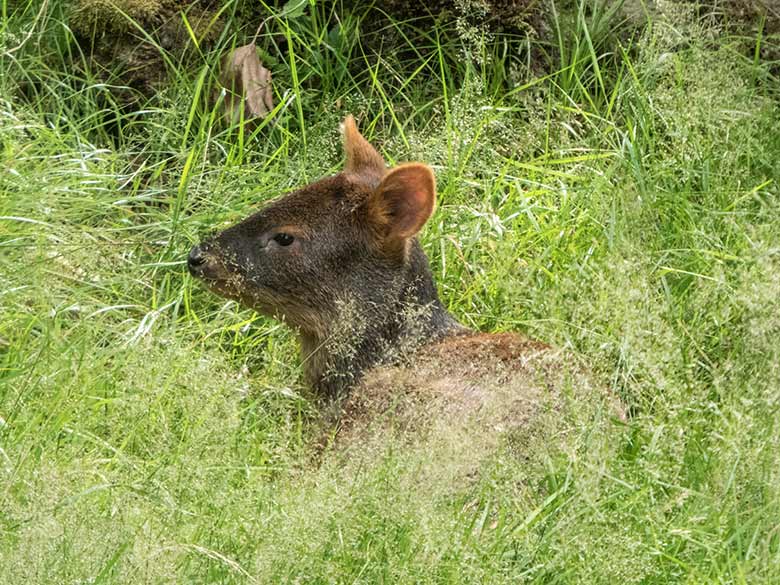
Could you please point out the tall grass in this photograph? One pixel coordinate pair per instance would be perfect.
(621, 203)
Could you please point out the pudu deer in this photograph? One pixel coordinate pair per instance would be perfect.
(339, 261)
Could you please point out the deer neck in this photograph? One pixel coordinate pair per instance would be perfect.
(376, 329)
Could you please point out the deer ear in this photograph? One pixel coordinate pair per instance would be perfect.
(362, 159)
(403, 201)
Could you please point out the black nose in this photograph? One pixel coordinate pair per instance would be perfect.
(196, 260)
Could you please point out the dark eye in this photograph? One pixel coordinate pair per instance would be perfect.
(283, 239)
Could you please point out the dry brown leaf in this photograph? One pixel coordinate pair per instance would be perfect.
(248, 84)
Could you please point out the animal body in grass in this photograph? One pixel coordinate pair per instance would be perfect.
(339, 261)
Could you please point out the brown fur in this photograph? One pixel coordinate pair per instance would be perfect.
(352, 280)
(339, 261)
(362, 159)
(464, 398)
(457, 372)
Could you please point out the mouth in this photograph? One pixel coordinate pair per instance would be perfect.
(217, 278)
(197, 260)
(203, 264)
(230, 287)
(227, 282)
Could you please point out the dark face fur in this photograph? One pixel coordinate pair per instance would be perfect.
(349, 236)
(290, 259)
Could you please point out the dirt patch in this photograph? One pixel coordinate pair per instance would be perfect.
(128, 40)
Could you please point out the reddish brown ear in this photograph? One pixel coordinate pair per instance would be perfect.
(362, 159)
(403, 202)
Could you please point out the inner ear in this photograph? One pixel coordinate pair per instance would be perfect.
(403, 201)
(363, 160)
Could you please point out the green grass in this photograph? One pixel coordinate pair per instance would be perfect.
(623, 204)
